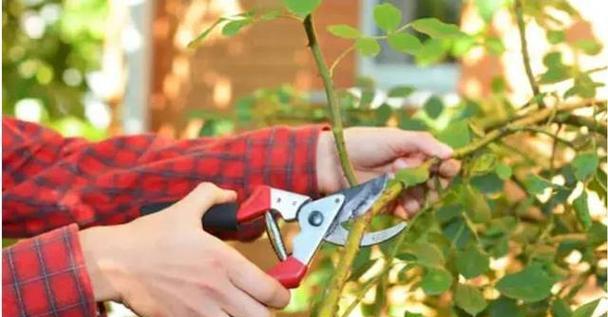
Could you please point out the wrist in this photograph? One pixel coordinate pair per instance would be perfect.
(101, 261)
(327, 165)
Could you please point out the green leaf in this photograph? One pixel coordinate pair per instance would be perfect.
(472, 262)
(589, 47)
(383, 113)
(412, 124)
(494, 45)
(582, 210)
(556, 70)
(404, 43)
(401, 91)
(456, 134)
(531, 284)
(425, 254)
(483, 163)
(475, 205)
(361, 264)
(487, 8)
(504, 307)
(387, 17)
(436, 29)
(556, 36)
(233, 27)
(586, 310)
(585, 165)
(344, 31)
(599, 184)
(560, 308)
(367, 46)
(498, 85)
(412, 176)
(410, 314)
(432, 51)
(597, 234)
(436, 281)
(458, 232)
(536, 185)
(488, 183)
(583, 87)
(503, 171)
(433, 107)
(199, 39)
(302, 7)
(470, 299)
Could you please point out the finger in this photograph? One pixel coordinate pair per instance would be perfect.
(407, 162)
(449, 168)
(425, 142)
(203, 197)
(432, 196)
(432, 183)
(400, 212)
(240, 304)
(253, 281)
(409, 204)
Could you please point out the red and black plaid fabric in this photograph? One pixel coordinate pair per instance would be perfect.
(50, 181)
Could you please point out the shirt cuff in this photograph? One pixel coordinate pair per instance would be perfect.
(46, 275)
(286, 158)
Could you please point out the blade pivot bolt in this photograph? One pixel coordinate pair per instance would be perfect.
(315, 218)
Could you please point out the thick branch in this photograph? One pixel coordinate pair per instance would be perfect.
(332, 101)
(524, 51)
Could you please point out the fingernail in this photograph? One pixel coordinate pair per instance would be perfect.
(401, 163)
(446, 151)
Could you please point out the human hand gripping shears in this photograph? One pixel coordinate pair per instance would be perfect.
(319, 220)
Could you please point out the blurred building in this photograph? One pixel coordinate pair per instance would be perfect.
(273, 53)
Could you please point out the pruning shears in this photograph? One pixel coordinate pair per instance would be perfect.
(319, 220)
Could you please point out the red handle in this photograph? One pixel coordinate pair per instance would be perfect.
(289, 272)
(256, 205)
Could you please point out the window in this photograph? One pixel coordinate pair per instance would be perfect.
(390, 68)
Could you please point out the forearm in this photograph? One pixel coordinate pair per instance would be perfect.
(108, 182)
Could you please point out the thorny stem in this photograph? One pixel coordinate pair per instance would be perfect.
(337, 127)
(554, 147)
(524, 51)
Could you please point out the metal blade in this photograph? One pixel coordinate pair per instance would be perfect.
(358, 200)
(339, 235)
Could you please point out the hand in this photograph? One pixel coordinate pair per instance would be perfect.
(374, 151)
(164, 264)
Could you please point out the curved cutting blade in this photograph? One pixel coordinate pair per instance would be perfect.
(339, 235)
(358, 199)
(357, 202)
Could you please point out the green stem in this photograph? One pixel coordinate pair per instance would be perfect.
(339, 59)
(337, 127)
(524, 51)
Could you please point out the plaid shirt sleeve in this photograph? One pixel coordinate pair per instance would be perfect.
(45, 276)
(50, 181)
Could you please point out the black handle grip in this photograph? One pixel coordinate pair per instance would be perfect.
(219, 218)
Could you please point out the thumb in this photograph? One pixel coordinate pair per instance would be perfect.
(203, 197)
